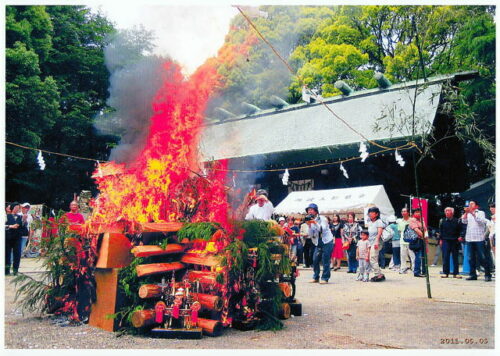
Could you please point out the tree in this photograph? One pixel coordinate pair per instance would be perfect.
(56, 84)
(406, 43)
(261, 74)
(32, 99)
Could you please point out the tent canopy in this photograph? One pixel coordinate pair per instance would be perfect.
(342, 201)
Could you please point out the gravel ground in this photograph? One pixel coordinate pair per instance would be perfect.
(345, 314)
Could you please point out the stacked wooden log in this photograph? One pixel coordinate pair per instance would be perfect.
(177, 267)
(205, 293)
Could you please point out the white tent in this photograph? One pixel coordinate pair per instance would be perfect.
(342, 201)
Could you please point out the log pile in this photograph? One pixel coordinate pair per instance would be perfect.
(182, 293)
(191, 289)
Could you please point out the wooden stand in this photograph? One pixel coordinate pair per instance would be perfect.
(114, 251)
(107, 299)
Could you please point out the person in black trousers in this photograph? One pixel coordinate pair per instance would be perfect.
(13, 239)
(449, 232)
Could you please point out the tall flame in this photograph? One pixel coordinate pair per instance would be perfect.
(165, 182)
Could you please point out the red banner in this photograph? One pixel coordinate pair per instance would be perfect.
(424, 206)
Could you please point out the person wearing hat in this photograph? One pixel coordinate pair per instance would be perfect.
(322, 239)
(24, 230)
(268, 204)
(261, 210)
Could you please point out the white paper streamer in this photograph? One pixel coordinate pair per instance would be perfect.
(286, 175)
(344, 171)
(399, 158)
(364, 151)
(40, 160)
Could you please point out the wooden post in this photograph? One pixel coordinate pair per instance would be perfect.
(106, 301)
(114, 251)
(209, 261)
(204, 277)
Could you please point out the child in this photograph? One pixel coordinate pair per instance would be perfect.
(363, 257)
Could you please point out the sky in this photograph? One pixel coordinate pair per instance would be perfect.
(189, 34)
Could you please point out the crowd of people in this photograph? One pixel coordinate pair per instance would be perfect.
(19, 231)
(323, 242)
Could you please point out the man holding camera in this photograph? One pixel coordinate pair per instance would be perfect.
(474, 238)
(322, 239)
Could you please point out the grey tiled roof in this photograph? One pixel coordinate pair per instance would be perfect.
(301, 127)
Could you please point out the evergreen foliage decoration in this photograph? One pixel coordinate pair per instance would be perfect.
(256, 232)
(236, 260)
(128, 285)
(66, 286)
(198, 231)
(270, 308)
(237, 251)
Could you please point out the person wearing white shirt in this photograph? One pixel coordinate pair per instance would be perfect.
(491, 228)
(262, 210)
(474, 237)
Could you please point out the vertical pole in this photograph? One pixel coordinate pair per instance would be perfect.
(424, 253)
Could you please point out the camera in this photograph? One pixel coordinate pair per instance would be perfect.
(309, 217)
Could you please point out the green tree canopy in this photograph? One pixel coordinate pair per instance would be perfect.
(350, 43)
(56, 84)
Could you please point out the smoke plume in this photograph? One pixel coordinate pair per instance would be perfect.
(134, 81)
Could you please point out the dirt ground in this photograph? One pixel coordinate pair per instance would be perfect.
(344, 314)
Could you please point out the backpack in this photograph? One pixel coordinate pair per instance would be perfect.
(409, 235)
(387, 233)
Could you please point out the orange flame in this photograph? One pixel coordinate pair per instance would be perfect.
(164, 184)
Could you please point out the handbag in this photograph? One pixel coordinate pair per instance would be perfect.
(387, 234)
(409, 234)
